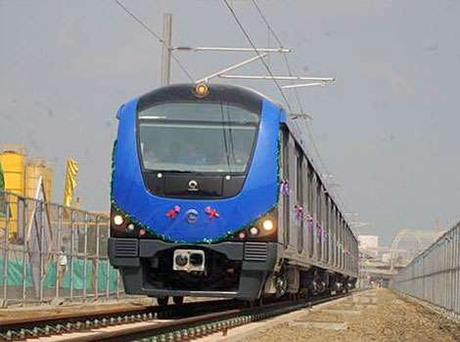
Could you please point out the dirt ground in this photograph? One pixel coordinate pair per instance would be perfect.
(380, 315)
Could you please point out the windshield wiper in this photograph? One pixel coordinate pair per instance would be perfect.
(167, 171)
(177, 171)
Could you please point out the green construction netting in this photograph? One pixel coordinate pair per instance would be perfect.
(15, 275)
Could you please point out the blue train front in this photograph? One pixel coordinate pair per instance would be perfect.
(195, 186)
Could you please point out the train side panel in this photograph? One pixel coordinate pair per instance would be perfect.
(316, 239)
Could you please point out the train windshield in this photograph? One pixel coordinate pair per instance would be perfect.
(197, 137)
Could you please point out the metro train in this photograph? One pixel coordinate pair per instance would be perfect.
(213, 195)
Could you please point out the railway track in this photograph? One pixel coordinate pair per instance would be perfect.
(172, 323)
(22, 328)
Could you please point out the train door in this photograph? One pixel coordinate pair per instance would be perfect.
(339, 241)
(347, 254)
(345, 243)
(299, 197)
(323, 230)
(311, 210)
(306, 204)
(327, 229)
(319, 216)
(285, 190)
(342, 243)
(334, 237)
(347, 250)
(330, 229)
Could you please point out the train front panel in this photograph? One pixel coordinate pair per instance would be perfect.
(194, 194)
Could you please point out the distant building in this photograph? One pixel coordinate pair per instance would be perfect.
(368, 241)
(386, 257)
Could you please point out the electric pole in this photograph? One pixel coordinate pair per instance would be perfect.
(166, 51)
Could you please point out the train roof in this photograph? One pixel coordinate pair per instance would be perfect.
(228, 93)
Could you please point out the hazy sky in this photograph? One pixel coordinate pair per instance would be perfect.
(388, 130)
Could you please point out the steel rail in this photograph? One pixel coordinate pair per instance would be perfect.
(21, 328)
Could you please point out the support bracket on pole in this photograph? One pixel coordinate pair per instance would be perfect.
(230, 68)
(229, 49)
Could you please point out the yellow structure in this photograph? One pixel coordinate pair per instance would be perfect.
(70, 182)
(21, 178)
(34, 170)
(13, 164)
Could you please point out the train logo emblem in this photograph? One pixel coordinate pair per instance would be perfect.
(193, 185)
(192, 216)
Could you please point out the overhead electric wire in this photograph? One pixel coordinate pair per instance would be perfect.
(297, 96)
(156, 35)
(272, 31)
(246, 34)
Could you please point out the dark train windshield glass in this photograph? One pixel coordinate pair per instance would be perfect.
(197, 137)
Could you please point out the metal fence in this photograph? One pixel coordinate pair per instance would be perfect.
(434, 275)
(48, 251)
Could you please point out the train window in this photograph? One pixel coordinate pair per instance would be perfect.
(299, 194)
(171, 137)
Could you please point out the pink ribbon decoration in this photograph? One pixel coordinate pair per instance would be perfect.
(172, 214)
(319, 232)
(212, 213)
(299, 213)
(309, 219)
(284, 187)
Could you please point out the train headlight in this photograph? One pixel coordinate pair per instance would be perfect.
(253, 231)
(130, 227)
(268, 225)
(118, 220)
(201, 90)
